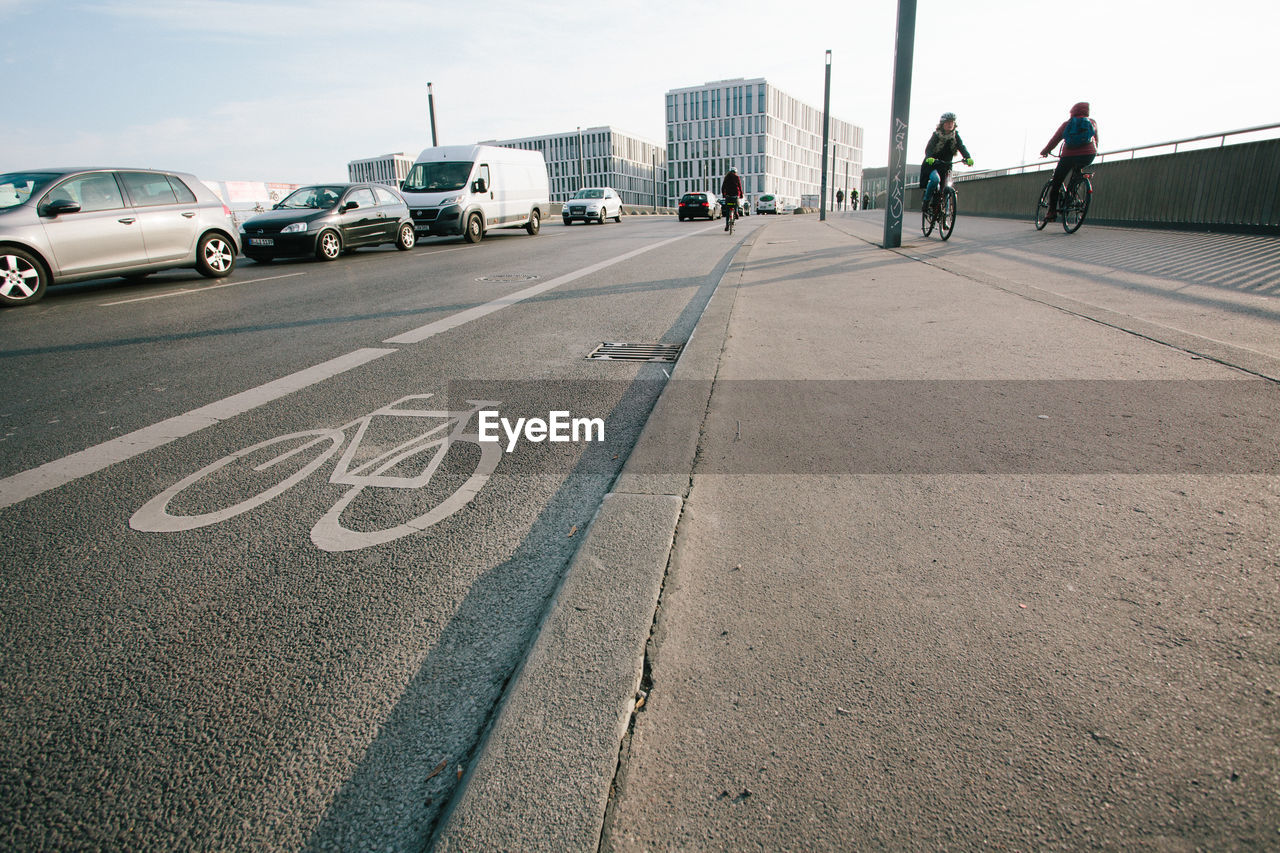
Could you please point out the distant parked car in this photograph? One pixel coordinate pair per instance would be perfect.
(593, 204)
(328, 219)
(695, 205)
(767, 203)
(64, 225)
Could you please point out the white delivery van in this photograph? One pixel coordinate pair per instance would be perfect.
(468, 189)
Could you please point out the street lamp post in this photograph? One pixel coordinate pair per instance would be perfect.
(431, 106)
(826, 135)
(655, 181)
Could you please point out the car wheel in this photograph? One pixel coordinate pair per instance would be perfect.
(567, 220)
(329, 246)
(534, 225)
(406, 239)
(215, 256)
(23, 278)
(475, 229)
(618, 216)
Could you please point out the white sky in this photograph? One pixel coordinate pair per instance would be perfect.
(290, 90)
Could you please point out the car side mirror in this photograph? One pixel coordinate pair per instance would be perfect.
(479, 186)
(61, 206)
(351, 205)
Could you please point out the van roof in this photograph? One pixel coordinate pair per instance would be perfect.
(471, 153)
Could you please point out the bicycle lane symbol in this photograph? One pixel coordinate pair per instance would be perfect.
(428, 448)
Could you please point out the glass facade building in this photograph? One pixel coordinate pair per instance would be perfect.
(773, 139)
(389, 169)
(599, 157)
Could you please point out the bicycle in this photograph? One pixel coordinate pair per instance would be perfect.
(329, 533)
(941, 209)
(1073, 200)
(732, 213)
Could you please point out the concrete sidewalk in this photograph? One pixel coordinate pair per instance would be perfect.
(938, 619)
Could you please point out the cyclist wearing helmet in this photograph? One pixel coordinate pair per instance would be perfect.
(938, 153)
(731, 190)
(1076, 154)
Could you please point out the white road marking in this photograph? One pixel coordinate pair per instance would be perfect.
(204, 289)
(428, 252)
(30, 483)
(420, 334)
(59, 472)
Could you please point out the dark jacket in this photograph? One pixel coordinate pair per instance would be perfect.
(940, 148)
(1091, 147)
(944, 151)
(732, 186)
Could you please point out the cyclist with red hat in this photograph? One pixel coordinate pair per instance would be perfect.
(1079, 138)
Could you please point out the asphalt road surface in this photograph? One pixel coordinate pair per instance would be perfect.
(207, 645)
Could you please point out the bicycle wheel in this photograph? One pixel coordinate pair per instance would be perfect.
(1073, 217)
(948, 220)
(733, 218)
(1042, 209)
(926, 220)
(154, 516)
(331, 534)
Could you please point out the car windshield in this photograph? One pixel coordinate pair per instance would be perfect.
(311, 198)
(17, 187)
(590, 194)
(440, 176)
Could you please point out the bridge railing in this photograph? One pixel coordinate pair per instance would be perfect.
(1262, 131)
(1231, 186)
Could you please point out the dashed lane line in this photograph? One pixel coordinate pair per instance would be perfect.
(205, 289)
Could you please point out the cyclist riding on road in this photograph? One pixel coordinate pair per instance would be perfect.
(938, 154)
(731, 191)
(1079, 138)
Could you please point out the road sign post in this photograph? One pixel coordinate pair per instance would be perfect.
(898, 123)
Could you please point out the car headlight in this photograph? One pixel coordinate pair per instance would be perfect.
(451, 200)
(295, 228)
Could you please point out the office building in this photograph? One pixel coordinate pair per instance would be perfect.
(389, 169)
(599, 157)
(875, 183)
(773, 139)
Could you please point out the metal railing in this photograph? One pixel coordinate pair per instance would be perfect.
(1152, 149)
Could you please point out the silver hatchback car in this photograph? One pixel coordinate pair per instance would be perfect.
(63, 225)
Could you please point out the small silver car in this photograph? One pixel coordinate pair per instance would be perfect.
(63, 225)
(593, 204)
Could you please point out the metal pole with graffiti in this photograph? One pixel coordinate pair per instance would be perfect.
(899, 122)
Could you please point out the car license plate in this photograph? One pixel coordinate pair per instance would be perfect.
(261, 241)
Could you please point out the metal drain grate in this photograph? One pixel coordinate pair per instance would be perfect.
(637, 352)
(507, 279)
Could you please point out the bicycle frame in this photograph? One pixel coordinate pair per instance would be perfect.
(946, 182)
(1072, 208)
(329, 533)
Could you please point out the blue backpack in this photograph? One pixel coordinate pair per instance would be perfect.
(1078, 133)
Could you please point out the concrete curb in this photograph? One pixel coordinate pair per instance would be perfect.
(542, 776)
